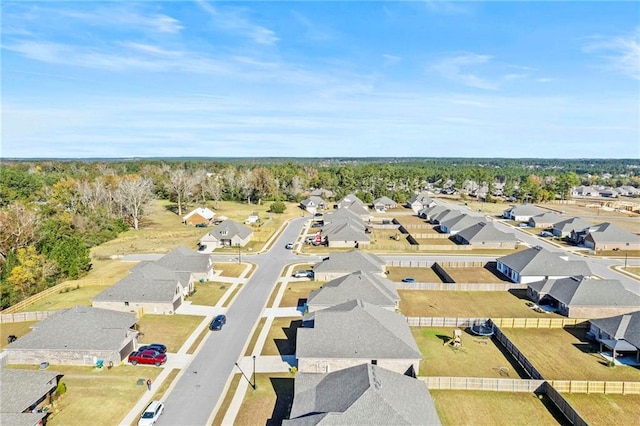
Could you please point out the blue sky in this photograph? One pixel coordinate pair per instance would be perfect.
(321, 79)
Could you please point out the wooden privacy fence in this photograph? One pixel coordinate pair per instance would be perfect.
(428, 264)
(461, 286)
(563, 405)
(515, 352)
(583, 386)
(541, 322)
(442, 321)
(51, 290)
(429, 235)
(25, 316)
(484, 384)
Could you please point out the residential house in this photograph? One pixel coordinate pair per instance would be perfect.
(25, 394)
(313, 204)
(445, 215)
(486, 235)
(384, 204)
(583, 297)
(341, 215)
(456, 224)
(368, 287)
(149, 287)
(345, 233)
(227, 234)
(585, 191)
(536, 263)
(321, 192)
(349, 200)
(343, 263)
(353, 333)
(565, 228)
(545, 220)
(522, 212)
(190, 266)
(353, 204)
(253, 218)
(606, 236)
(429, 213)
(420, 201)
(201, 215)
(620, 334)
(361, 394)
(77, 336)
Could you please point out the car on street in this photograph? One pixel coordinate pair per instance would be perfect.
(303, 274)
(149, 356)
(202, 247)
(289, 246)
(408, 280)
(158, 347)
(317, 224)
(218, 322)
(151, 414)
(546, 234)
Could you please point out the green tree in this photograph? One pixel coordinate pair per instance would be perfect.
(72, 256)
(277, 207)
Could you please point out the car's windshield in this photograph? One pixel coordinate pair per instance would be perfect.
(147, 415)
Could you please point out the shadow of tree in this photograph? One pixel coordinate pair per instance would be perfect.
(283, 388)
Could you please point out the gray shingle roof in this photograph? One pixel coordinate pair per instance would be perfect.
(422, 198)
(149, 282)
(609, 233)
(21, 389)
(313, 201)
(625, 327)
(342, 214)
(228, 229)
(547, 217)
(383, 200)
(485, 232)
(446, 215)
(349, 200)
(363, 394)
(350, 261)
(433, 211)
(79, 328)
(357, 329)
(183, 259)
(460, 222)
(525, 210)
(361, 285)
(22, 419)
(582, 291)
(572, 224)
(345, 230)
(537, 261)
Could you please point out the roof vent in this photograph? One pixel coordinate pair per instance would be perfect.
(565, 258)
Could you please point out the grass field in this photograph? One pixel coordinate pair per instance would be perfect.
(493, 408)
(230, 269)
(478, 357)
(18, 329)
(67, 299)
(476, 275)
(414, 220)
(208, 293)
(385, 236)
(170, 330)
(421, 275)
(269, 403)
(281, 339)
(566, 354)
(467, 304)
(224, 406)
(633, 269)
(296, 291)
(105, 394)
(601, 409)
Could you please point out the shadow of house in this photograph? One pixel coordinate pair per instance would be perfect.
(288, 346)
(283, 387)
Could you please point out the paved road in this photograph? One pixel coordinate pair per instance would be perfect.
(196, 393)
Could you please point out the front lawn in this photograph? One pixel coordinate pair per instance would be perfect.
(494, 408)
(601, 409)
(170, 330)
(566, 354)
(467, 304)
(281, 339)
(477, 357)
(269, 403)
(230, 269)
(296, 291)
(208, 293)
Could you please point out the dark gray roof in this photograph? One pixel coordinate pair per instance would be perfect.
(547, 217)
(422, 198)
(350, 261)
(149, 282)
(228, 229)
(460, 222)
(446, 215)
(314, 201)
(346, 230)
(79, 328)
(349, 200)
(609, 233)
(622, 327)
(359, 395)
(357, 329)
(583, 291)
(183, 259)
(368, 287)
(342, 215)
(433, 211)
(485, 232)
(20, 390)
(572, 224)
(383, 200)
(538, 261)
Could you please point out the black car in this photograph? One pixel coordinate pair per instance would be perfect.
(201, 225)
(218, 322)
(158, 347)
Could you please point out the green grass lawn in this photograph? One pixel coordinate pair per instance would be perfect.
(64, 298)
(467, 304)
(566, 354)
(297, 291)
(601, 409)
(18, 329)
(476, 275)
(208, 293)
(105, 394)
(494, 408)
(170, 330)
(421, 274)
(281, 339)
(230, 269)
(478, 357)
(269, 403)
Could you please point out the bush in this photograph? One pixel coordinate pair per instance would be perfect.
(61, 388)
(277, 207)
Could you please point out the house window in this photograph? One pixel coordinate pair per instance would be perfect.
(126, 303)
(374, 362)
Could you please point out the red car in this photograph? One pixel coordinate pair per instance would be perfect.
(147, 357)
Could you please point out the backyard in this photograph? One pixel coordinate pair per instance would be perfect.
(17, 329)
(486, 274)
(170, 330)
(468, 304)
(601, 409)
(281, 339)
(477, 357)
(420, 274)
(566, 354)
(269, 403)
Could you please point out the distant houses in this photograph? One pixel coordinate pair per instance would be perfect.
(227, 234)
(522, 212)
(198, 216)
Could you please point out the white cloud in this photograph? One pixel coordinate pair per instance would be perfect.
(456, 69)
(622, 53)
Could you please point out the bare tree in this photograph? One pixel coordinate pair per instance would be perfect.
(132, 194)
(245, 182)
(181, 185)
(18, 228)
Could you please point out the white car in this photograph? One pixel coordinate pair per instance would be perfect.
(151, 414)
(303, 274)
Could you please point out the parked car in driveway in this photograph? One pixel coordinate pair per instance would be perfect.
(201, 225)
(149, 356)
(218, 322)
(546, 234)
(151, 414)
(158, 347)
(202, 247)
(408, 280)
(303, 274)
